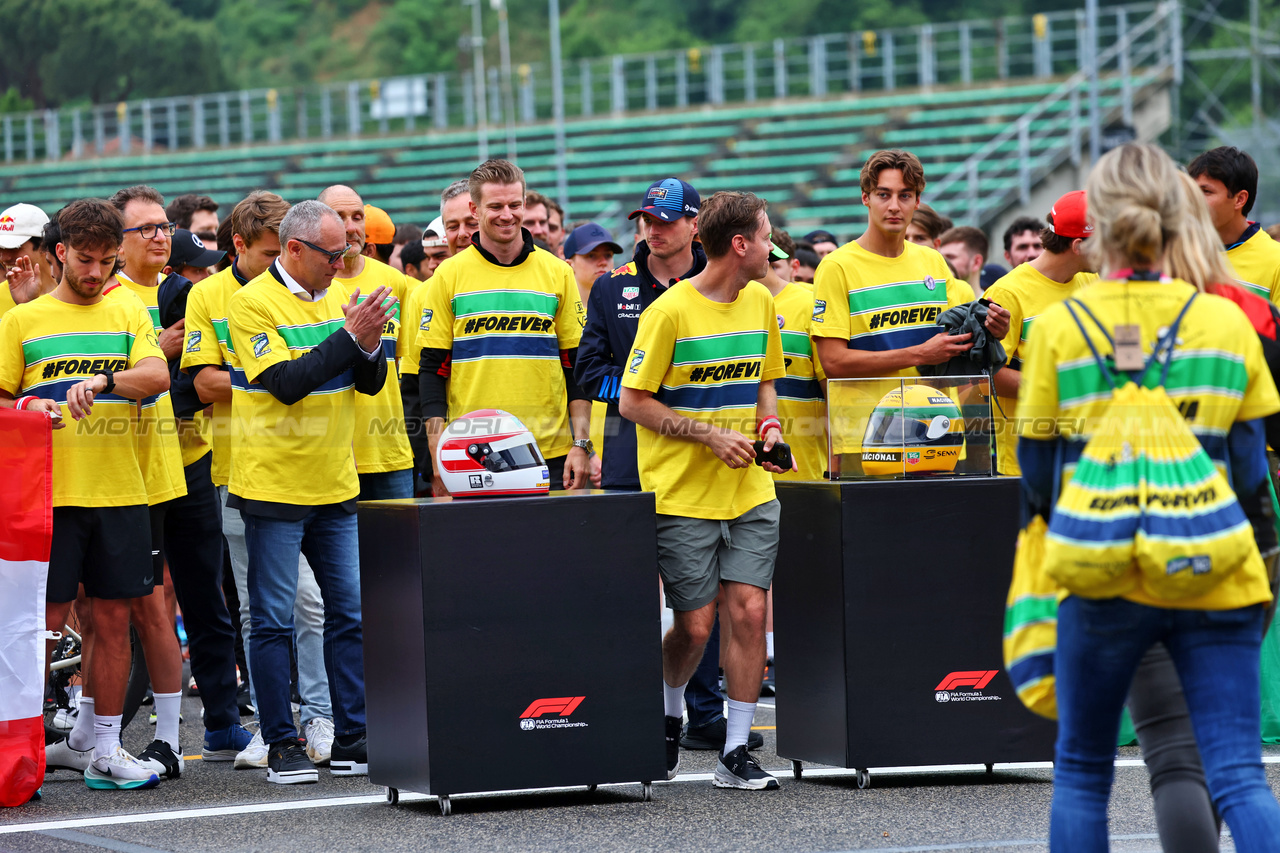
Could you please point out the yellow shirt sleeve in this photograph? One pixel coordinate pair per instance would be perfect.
(830, 303)
(254, 336)
(202, 338)
(959, 292)
(651, 353)
(145, 344)
(570, 315)
(435, 324)
(1006, 300)
(12, 363)
(775, 364)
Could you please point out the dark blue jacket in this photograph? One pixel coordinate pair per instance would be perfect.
(613, 315)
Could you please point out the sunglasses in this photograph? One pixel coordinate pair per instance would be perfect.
(333, 257)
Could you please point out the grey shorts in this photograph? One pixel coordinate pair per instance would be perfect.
(696, 554)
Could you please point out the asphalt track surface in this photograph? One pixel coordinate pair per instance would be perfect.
(214, 807)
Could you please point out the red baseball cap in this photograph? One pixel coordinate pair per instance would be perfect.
(1069, 218)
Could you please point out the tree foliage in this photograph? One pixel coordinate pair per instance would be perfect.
(72, 51)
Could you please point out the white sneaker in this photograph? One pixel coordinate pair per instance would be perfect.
(61, 755)
(65, 719)
(319, 734)
(119, 771)
(253, 756)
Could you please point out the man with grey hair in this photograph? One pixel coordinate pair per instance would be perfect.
(305, 350)
(460, 224)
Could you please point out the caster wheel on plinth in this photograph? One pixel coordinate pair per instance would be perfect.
(797, 769)
(646, 789)
(393, 795)
(864, 779)
(990, 769)
(591, 789)
(446, 806)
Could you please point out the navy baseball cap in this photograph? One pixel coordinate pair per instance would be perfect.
(669, 200)
(585, 238)
(813, 238)
(187, 250)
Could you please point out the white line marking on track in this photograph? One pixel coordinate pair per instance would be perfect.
(411, 797)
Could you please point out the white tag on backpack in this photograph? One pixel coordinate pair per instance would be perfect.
(1128, 352)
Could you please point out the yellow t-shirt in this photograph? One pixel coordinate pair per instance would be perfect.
(705, 360)
(802, 406)
(193, 434)
(506, 327)
(1026, 293)
(158, 447)
(410, 350)
(209, 342)
(47, 346)
(879, 304)
(381, 443)
(300, 454)
(1256, 262)
(6, 298)
(1217, 377)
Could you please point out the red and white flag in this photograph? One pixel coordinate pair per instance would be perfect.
(26, 532)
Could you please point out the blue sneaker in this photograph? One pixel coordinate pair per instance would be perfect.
(225, 744)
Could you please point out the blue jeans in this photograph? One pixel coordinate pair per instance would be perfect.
(386, 485)
(1100, 642)
(327, 537)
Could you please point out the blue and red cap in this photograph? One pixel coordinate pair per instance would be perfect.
(669, 200)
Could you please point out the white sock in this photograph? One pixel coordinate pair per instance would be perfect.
(73, 693)
(81, 737)
(106, 735)
(740, 716)
(768, 643)
(168, 711)
(673, 699)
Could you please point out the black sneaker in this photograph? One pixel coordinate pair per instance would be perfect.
(243, 701)
(287, 764)
(160, 759)
(350, 756)
(712, 736)
(739, 769)
(674, 724)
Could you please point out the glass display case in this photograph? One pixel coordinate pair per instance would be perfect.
(909, 427)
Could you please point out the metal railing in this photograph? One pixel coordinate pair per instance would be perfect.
(1038, 46)
(1053, 130)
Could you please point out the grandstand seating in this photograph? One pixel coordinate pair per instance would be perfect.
(802, 155)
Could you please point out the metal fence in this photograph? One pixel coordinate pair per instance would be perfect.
(1039, 46)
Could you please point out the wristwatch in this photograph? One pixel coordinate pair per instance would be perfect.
(111, 380)
(585, 444)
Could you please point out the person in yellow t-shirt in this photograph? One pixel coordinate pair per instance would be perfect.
(1217, 376)
(506, 319)
(700, 379)
(802, 406)
(85, 360)
(384, 459)
(1027, 291)
(876, 299)
(186, 531)
(1228, 177)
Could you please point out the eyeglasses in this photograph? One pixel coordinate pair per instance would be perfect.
(333, 257)
(148, 232)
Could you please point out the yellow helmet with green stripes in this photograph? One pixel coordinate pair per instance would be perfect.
(913, 429)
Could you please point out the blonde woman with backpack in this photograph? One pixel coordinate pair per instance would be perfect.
(1138, 323)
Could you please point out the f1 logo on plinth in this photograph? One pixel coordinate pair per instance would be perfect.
(564, 707)
(947, 689)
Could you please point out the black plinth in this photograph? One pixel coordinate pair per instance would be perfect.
(511, 643)
(888, 613)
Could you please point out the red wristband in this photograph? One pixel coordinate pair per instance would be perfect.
(22, 402)
(766, 424)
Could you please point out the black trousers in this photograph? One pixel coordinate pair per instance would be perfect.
(193, 547)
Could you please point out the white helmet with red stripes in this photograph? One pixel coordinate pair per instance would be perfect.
(489, 452)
